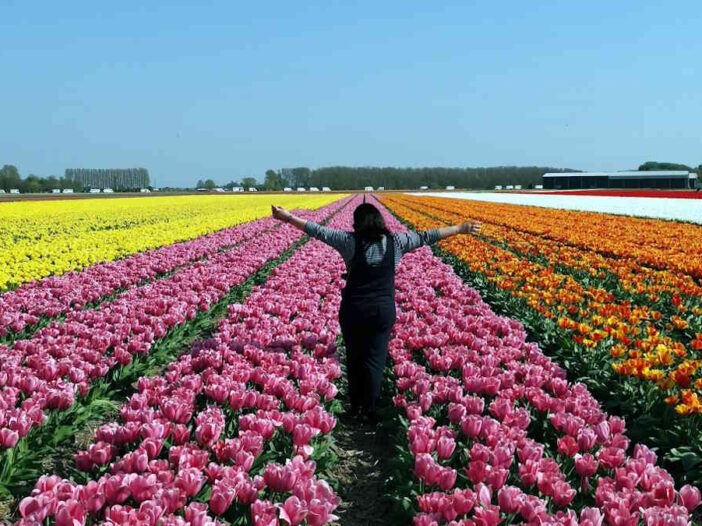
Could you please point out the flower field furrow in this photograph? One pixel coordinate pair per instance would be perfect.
(494, 431)
(46, 238)
(51, 297)
(237, 429)
(61, 361)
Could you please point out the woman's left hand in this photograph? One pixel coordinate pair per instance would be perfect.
(470, 228)
(280, 213)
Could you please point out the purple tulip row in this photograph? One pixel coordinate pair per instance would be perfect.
(232, 427)
(473, 391)
(57, 295)
(61, 360)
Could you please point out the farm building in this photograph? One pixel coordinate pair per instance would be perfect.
(652, 179)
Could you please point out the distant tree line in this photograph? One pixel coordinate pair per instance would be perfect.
(353, 178)
(246, 183)
(10, 178)
(650, 166)
(74, 179)
(115, 178)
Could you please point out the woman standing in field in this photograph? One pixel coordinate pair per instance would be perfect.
(367, 314)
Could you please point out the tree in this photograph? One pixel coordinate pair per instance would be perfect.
(200, 184)
(9, 177)
(31, 185)
(210, 184)
(301, 176)
(272, 181)
(52, 182)
(248, 182)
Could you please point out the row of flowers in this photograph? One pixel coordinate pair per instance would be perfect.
(667, 291)
(495, 432)
(49, 238)
(55, 296)
(623, 336)
(236, 427)
(60, 361)
(656, 243)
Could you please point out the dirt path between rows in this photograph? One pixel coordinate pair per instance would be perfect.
(362, 469)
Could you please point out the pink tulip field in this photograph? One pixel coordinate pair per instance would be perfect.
(220, 365)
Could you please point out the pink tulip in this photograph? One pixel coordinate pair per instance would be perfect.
(690, 497)
(34, 508)
(190, 481)
(509, 499)
(447, 479)
(220, 500)
(293, 511)
(279, 478)
(471, 426)
(602, 431)
(142, 487)
(318, 513)
(586, 465)
(591, 517)
(487, 516)
(445, 447)
(563, 494)
(70, 513)
(8, 438)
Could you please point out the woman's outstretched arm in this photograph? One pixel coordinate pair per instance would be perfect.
(408, 241)
(281, 214)
(463, 228)
(338, 239)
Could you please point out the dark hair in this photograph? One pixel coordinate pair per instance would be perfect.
(368, 224)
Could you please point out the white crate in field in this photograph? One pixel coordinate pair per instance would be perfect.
(287, 189)
(301, 189)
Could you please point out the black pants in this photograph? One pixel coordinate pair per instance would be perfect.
(366, 329)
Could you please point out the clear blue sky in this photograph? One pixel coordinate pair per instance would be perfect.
(228, 89)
